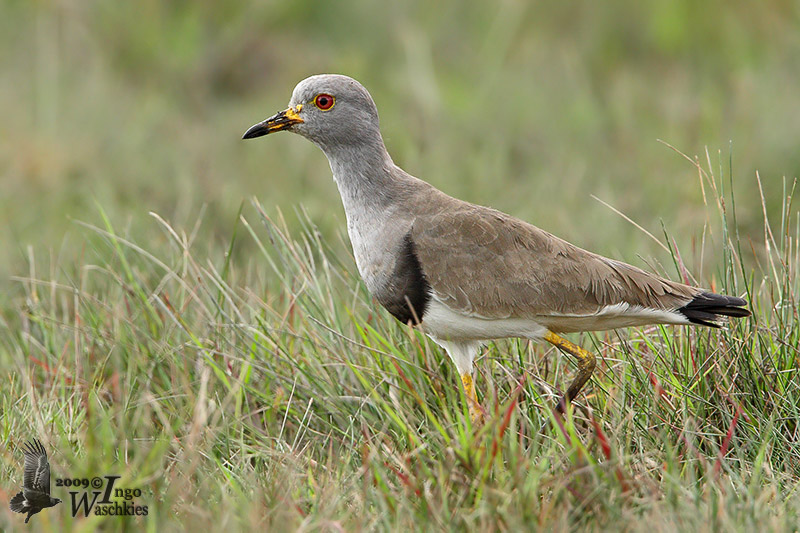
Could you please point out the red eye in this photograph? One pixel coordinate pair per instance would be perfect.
(324, 101)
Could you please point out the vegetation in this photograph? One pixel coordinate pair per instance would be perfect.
(161, 324)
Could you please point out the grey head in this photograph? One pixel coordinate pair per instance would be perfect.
(334, 111)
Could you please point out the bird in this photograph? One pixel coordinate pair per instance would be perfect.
(35, 494)
(466, 274)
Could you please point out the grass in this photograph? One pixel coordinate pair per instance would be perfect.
(227, 360)
(141, 108)
(277, 396)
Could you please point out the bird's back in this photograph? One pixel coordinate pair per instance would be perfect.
(485, 263)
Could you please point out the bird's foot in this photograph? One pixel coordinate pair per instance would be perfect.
(561, 406)
(476, 414)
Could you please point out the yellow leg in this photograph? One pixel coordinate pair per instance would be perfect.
(586, 364)
(475, 411)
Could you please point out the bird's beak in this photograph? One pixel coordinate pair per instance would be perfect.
(279, 122)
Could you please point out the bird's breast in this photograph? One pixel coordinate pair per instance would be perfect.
(387, 261)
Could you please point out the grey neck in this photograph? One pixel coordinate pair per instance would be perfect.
(365, 175)
(375, 196)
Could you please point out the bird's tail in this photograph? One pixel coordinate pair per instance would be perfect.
(708, 308)
(17, 503)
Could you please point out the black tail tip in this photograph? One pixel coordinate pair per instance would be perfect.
(16, 502)
(707, 308)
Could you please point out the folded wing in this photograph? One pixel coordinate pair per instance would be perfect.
(485, 263)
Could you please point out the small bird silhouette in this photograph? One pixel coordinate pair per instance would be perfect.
(35, 494)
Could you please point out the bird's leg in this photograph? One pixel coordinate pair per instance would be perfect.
(475, 411)
(586, 364)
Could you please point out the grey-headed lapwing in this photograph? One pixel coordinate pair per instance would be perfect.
(464, 273)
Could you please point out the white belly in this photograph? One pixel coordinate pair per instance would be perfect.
(442, 322)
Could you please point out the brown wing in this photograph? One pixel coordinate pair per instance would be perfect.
(486, 263)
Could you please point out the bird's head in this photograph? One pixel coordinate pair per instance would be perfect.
(329, 109)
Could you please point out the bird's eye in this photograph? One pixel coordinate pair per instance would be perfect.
(324, 101)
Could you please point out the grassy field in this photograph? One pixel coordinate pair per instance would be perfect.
(181, 309)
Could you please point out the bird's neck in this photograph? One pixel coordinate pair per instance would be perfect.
(365, 175)
(373, 191)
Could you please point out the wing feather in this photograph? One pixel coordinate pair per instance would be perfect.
(37, 468)
(485, 263)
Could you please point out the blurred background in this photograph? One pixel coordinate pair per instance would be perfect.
(529, 107)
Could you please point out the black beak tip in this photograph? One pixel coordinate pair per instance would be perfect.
(255, 131)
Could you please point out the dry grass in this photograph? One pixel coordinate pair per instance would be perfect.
(229, 362)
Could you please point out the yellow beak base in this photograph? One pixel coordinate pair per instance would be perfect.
(278, 122)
